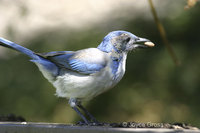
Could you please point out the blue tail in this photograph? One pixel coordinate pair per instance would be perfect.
(47, 65)
(12, 45)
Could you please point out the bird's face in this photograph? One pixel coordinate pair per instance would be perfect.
(123, 41)
(126, 41)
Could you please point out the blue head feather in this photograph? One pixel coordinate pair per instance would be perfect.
(107, 46)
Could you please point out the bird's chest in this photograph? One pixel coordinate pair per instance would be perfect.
(73, 85)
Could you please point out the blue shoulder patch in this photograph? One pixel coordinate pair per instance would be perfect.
(69, 60)
(85, 67)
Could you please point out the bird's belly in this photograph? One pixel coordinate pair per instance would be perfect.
(74, 85)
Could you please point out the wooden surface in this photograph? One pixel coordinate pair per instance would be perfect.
(24, 127)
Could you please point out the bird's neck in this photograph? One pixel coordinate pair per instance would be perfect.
(118, 64)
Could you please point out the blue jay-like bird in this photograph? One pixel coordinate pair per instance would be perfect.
(83, 74)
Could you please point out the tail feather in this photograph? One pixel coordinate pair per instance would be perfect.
(12, 45)
(46, 66)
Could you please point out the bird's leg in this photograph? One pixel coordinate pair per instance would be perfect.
(87, 113)
(74, 103)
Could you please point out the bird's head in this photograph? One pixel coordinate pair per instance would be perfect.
(123, 41)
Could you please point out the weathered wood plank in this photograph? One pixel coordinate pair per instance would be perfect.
(24, 127)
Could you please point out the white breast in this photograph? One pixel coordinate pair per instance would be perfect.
(75, 85)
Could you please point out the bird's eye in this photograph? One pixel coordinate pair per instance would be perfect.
(128, 39)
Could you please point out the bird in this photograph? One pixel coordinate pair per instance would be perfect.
(83, 74)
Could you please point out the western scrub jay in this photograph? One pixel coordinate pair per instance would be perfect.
(83, 74)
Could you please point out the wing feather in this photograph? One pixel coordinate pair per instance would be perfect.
(85, 61)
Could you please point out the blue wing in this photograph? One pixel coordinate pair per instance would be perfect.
(85, 61)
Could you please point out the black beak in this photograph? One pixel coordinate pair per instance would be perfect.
(143, 43)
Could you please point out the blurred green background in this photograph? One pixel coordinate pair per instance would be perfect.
(153, 89)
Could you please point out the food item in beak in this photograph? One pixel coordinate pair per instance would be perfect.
(150, 44)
